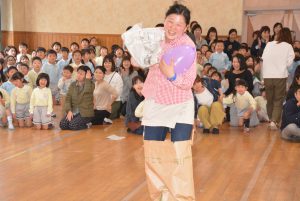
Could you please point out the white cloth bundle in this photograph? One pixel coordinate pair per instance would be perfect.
(144, 44)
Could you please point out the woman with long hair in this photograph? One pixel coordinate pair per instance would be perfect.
(277, 56)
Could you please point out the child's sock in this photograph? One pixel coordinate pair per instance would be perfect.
(10, 122)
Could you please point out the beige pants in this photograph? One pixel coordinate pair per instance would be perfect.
(169, 170)
(212, 116)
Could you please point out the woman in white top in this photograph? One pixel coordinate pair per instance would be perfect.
(115, 80)
(278, 55)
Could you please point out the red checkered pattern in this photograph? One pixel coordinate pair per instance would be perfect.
(166, 92)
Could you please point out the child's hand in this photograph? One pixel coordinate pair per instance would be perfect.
(14, 116)
(31, 116)
(48, 115)
(69, 116)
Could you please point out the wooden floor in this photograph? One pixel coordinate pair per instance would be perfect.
(84, 166)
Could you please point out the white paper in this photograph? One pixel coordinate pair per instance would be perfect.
(115, 137)
(144, 44)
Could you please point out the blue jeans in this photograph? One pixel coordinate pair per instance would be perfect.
(181, 132)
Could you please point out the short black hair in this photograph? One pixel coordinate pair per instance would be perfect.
(207, 64)
(241, 82)
(231, 31)
(296, 88)
(51, 52)
(136, 78)
(41, 49)
(76, 51)
(118, 48)
(11, 68)
(10, 56)
(23, 44)
(23, 64)
(85, 51)
(83, 68)
(24, 56)
(209, 50)
(264, 28)
(17, 76)
(114, 47)
(103, 47)
(36, 58)
(56, 43)
(101, 68)
(219, 41)
(212, 68)
(69, 68)
(85, 39)
(92, 39)
(65, 49)
(159, 25)
(179, 9)
(218, 73)
(243, 48)
(92, 47)
(74, 43)
(43, 76)
(245, 45)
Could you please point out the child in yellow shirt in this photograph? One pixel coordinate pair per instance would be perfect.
(19, 100)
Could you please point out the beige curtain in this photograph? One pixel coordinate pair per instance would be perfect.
(296, 24)
(266, 19)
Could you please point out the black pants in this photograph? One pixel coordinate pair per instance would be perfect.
(99, 117)
(77, 123)
(123, 108)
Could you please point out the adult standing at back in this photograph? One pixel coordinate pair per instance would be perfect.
(231, 45)
(277, 57)
(260, 43)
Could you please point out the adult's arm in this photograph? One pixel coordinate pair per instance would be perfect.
(68, 101)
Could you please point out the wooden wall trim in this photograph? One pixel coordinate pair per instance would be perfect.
(45, 39)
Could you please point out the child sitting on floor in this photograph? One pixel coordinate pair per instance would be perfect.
(244, 103)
